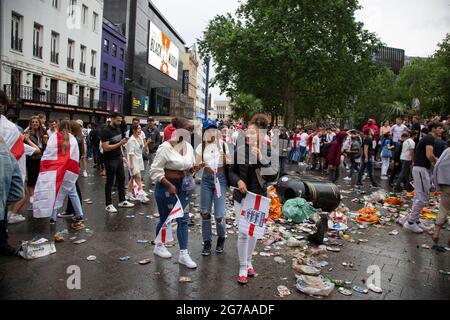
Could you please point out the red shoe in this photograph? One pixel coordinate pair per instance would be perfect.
(251, 272)
(242, 280)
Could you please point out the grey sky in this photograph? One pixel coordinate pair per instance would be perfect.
(414, 25)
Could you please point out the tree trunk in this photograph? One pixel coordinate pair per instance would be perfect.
(289, 112)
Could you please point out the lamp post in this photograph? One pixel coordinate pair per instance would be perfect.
(207, 88)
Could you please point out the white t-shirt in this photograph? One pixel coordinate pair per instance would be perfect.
(407, 147)
(316, 144)
(304, 139)
(330, 137)
(397, 131)
(212, 155)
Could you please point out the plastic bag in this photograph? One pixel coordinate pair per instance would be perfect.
(316, 286)
(298, 210)
(188, 183)
(36, 248)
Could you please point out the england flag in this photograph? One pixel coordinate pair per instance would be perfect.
(254, 214)
(165, 233)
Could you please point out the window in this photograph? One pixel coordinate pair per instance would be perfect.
(121, 54)
(37, 41)
(72, 6)
(93, 62)
(54, 51)
(105, 71)
(113, 101)
(106, 45)
(16, 32)
(113, 74)
(55, 4)
(70, 88)
(104, 96)
(114, 50)
(95, 22)
(83, 59)
(70, 54)
(120, 76)
(119, 103)
(84, 14)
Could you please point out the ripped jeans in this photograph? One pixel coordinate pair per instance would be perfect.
(208, 196)
(166, 203)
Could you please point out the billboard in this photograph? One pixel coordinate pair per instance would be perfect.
(162, 53)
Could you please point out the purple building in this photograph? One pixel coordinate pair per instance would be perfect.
(112, 68)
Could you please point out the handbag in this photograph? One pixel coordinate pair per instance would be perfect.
(188, 183)
(385, 152)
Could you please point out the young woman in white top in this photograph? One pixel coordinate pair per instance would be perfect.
(212, 152)
(174, 161)
(135, 149)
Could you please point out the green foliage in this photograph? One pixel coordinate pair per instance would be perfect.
(245, 106)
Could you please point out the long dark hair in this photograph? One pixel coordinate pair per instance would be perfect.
(65, 129)
(75, 129)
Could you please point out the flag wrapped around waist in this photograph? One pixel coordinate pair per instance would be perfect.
(254, 214)
(165, 233)
(58, 174)
(14, 141)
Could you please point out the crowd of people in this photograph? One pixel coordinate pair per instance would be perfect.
(223, 157)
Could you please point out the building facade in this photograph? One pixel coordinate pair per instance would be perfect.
(50, 57)
(391, 57)
(190, 65)
(201, 89)
(154, 60)
(112, 67)
(223, 109)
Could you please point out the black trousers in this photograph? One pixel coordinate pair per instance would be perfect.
(114, 172)
(3, 232)
(69, 208)
(395, 171)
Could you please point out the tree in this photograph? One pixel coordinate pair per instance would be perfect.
(307, 56)
(245, 106)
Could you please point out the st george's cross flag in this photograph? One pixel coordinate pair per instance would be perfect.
(165, 233)
(58, 173)
(14, 141)
(254, 214)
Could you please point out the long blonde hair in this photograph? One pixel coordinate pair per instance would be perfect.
(65, 129)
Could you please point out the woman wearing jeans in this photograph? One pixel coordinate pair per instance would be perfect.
(174, 159)
(386, 155)
(212, 152)
(249, 172)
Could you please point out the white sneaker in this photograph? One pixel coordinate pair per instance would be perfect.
(145, 200)
(402, 220)
(31, 199)
(185, 259)
(126, 204)
(129, 196)
(85, 174)
(423, 227)
(161, 251)
(111, 209)
(347, 179)
(412, 227)
(15, 218)
(384, 177)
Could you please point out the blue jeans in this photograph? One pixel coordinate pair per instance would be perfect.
(369, 166)
(207, 197)
(75, 200)
(166, 203)
(303, 152)
(353, 167)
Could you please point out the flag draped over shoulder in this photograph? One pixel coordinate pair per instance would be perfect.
(165, 233)
(254, 214)
(58, 173)
(14, 141)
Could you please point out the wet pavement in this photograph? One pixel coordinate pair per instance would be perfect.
(408, 271)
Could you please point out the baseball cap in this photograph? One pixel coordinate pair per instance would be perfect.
(209, 124)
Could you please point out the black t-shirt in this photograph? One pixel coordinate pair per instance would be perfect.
(421, 159)
(368, 141)
(113, 135)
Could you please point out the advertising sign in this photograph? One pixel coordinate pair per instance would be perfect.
(163, 53)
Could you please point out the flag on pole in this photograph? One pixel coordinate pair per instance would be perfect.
(165, 233)
(58, 173)
(254, 214)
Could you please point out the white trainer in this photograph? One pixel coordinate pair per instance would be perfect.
(185, 259)
(85, 174)
(347, 179)
(161, 251)
(111, 209)
(412, 227)
(402, 220)
(126, 204)
(145, 200)
(129, 196)
(14, 218)
(423, 226)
